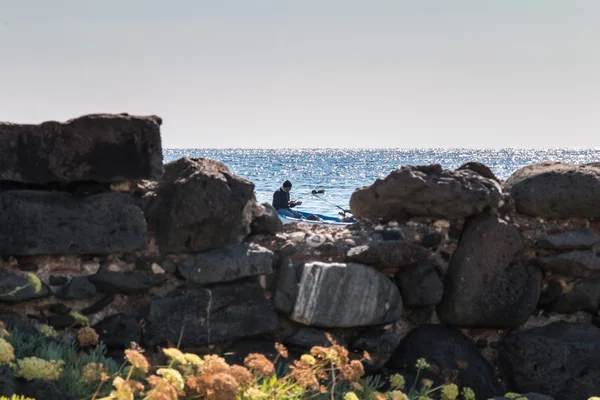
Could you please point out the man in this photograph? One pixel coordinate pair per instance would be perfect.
(282, 203)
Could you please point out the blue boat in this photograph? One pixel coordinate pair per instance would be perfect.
(309, 218)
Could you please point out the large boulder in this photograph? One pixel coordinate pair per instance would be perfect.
(428, 191)
(556, 190)
(451, 354)
(420, 284)
(38, 222)
(199, 205)
(486, 285)
(584, 296)
(229, 263)
(18, 284)
(574, 239)
(129, 283)
(265, 220)
(561, 360)
(345, 295)
(578, 264)
(387, 254)
(119, 330)
(209, 315)
(96, 147)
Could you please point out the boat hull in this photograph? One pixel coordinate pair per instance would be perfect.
(325, 220)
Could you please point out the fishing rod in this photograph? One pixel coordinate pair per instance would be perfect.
(315, 193)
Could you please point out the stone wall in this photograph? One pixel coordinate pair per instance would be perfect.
(496, 284)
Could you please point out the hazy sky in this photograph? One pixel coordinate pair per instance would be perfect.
(312, 73)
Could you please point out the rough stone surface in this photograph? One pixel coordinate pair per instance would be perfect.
(486, 285)
(8, 384)
(286, 287)
(480, 169)
(584, 296)
(432, 239)
(427, 191)
(199, 205)
(387, 254)
(307, 337)
(37, 222)
(40, 389)
(577, 264)
(119, 330)
(229, 263)
(9, 282)
(574, 239)
(420, 284)
(527, 396)
(95, 147)
(556, 190)
(451, 352)
(124, 282)
(79, 287)
(210, 315)
(380, 343)
(561, 359)
(266, 220)
(345, 295)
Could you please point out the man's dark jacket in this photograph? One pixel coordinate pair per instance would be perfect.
(281, 199)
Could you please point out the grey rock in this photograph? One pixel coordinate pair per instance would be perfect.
(79, 287)
(556, 190)
(37, 222)
(129, 283)
(8, 383)
(60, 322)
(345, 295)
(420, 284)
(199, 205)
(380, 343)
(486, 285)
(96, 147)
(584, 296)
(229, 263)
(577, 264)
(119, 330)
(574, 239)
(286, 287)
(209, 315)
(387, 254)
(427, 191)
(480, 169)
(432, 239)
(448, 350)
(560, 360)
(287, 250)
(307, 337)
(56, 280)
(10, 282)
(266, 220)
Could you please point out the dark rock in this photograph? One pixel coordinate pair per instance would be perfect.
(454, 232)
(119, 330)
(307, 337)
(427, 191)
(432, 239)
(97, 147)
(328, 247)
(60, 322)
(57, 280)
(16, 322)
(8, 384)
(387, 254)
(78, 288)
(265, 220)
(209, 315)
(445, 255)
(577, 264)
(143, 265)
(59, 308)
(486, 285)
(420, 315)
(199, 205)
(345, 295)
(596, 322)
(480, 169)
(28, 267)
(40, 389)
(169, 266)
(380, 343)
(10, 282)
(575, 239)
(392, 234)
(99, 305)
(287, 250)
(526, 396)
(286, 287)
(584, 296)
(552, 293)
(560, 359)
(481, 343)
(556, 190)
(36, 222)
(420, 284)
(237, 352)
(123, 282)
(450, 351)
(229, 263)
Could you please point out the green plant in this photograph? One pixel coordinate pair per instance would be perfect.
(32, 280)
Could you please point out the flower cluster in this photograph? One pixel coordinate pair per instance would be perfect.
(7, 352)
(31, 368)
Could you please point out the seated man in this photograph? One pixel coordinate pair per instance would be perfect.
(282, 203)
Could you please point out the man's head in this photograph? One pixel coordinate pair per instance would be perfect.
(287, 186)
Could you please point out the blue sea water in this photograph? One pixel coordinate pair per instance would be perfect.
(340, 171)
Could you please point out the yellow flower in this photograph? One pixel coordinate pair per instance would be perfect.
(93, 372)
(427, 383)
(307, 358)
(87, 336)
(172, 376)
(125, 389)
(397, 381)
(174, 354)
(450, 392)
(253, 393)
(193, 359)
(398, 395)
(350, 396)
(468, 393)
(34, 282)
(47, 330)
(7, 352)
(281, 350)
(31, 368)
(137, 360)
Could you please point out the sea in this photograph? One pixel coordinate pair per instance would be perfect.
(340, 171)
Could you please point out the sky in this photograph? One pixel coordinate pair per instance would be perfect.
(312, 73)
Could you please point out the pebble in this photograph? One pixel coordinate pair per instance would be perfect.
(157, 269)
(91, 268)
(315, 240)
